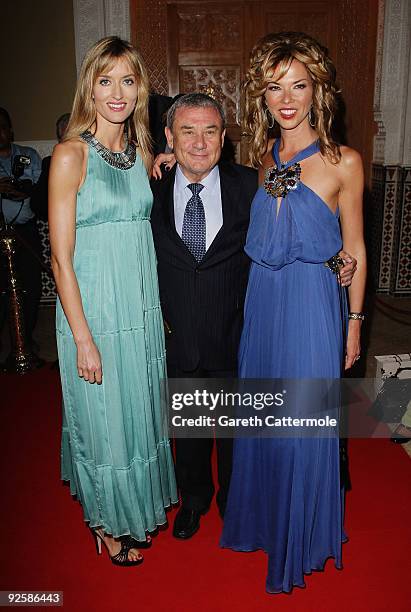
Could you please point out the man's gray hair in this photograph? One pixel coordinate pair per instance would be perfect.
(194, 100)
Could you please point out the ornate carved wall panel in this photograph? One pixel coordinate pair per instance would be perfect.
(149, 34)
(222, 81)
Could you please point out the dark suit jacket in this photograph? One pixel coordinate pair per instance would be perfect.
(203, 302)
(40, 196)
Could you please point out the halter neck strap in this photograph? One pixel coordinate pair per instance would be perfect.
(313, 148)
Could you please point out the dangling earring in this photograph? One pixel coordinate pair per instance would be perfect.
(311, 118)
(269, 116)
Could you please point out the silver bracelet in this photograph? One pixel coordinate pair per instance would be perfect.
(357, 316)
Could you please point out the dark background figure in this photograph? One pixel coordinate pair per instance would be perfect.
(39, 198)
(158, 106)
(15, 210)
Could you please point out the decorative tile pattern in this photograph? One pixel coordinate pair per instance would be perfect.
(374, 216)
(389, 240)
(48, 294)
(389, 230)
(403, 275)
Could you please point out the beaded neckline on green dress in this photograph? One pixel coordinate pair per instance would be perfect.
(118, 159)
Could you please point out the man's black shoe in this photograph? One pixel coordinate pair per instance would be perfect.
(186, 523)
(401, 435)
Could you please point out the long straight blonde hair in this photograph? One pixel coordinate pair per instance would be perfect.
(277, 51)
(98, 59)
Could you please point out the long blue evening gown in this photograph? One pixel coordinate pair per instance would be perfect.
(285, 495)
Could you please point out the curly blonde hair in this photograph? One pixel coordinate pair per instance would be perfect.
(277, 51)
(98, 59)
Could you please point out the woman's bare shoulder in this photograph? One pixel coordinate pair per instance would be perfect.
(69, 160)
(70, 152)
(350, 172)
(350, 160)
(68, 164)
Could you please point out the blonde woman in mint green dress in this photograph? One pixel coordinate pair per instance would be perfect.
(115, 448)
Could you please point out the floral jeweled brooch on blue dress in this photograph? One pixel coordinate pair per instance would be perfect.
(278, 182)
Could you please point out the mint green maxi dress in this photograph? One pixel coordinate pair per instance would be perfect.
(115, 449)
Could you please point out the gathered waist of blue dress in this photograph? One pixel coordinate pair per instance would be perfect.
(110, 221)
(285, 259)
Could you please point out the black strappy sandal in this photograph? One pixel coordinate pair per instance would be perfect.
(121, 558)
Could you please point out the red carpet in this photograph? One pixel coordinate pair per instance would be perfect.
(46, 546)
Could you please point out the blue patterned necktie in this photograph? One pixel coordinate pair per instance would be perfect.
(194, 224)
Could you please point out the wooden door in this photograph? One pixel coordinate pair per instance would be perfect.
(205, 46)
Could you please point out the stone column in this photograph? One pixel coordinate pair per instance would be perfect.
(94, 19)
(391, 235)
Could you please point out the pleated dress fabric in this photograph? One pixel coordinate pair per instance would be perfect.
(285, 495)
(115, 449)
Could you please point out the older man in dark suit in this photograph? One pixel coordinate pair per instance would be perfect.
(200, 219)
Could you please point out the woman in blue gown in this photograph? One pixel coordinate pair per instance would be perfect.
(286, 497)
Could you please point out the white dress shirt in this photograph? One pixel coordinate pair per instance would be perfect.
(210, 196)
